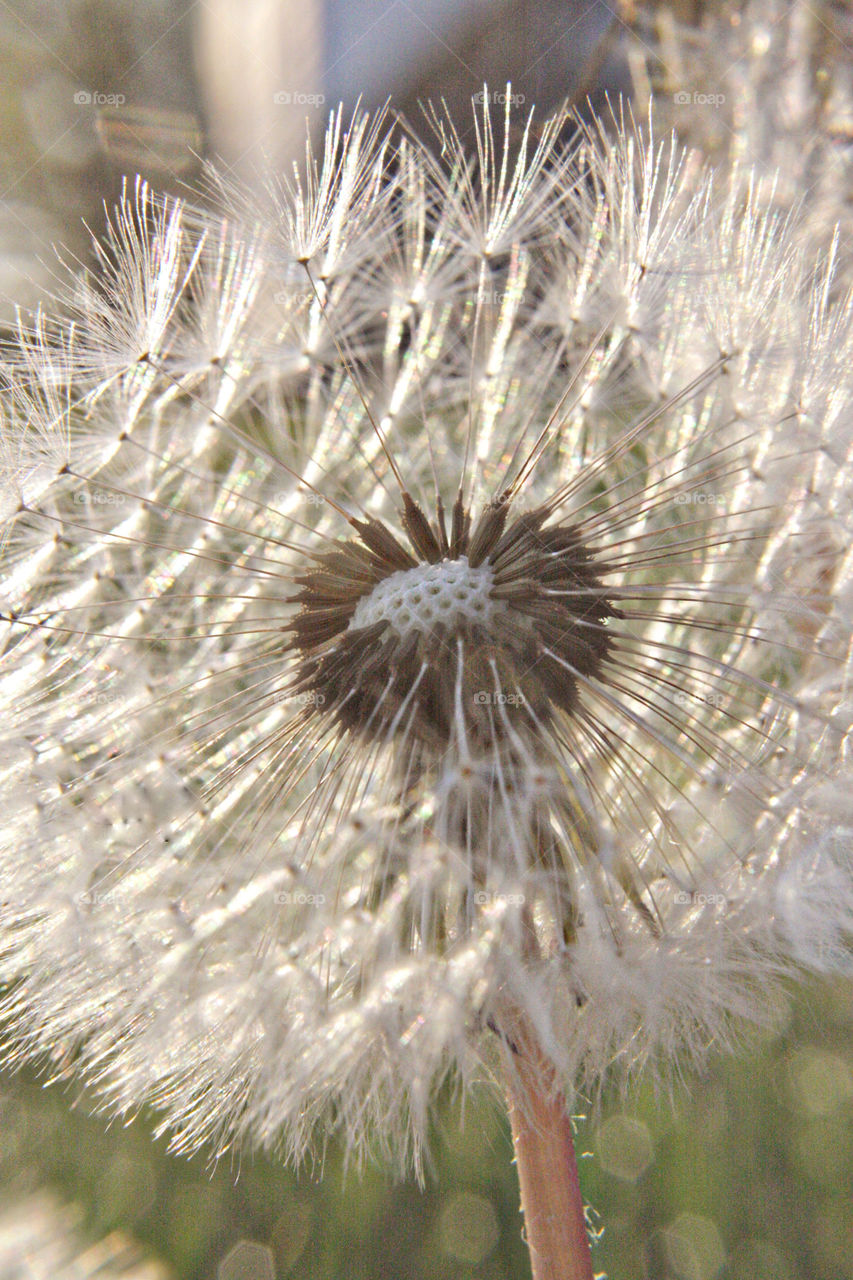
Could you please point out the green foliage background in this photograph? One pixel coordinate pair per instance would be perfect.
(743, 1174)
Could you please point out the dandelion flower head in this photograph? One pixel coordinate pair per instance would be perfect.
(426, 608)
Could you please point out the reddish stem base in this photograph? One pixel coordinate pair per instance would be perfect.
(551, 1199)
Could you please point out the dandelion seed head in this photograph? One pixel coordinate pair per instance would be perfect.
(500, 610)
(457, 644)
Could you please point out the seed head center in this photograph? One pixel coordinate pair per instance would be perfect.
(428, 642)
(446, 594)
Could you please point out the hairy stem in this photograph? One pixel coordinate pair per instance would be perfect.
(551, 1200)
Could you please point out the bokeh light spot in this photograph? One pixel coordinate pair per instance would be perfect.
(468, 1227)
(819, 1082)
(624, 1147)
(290, 1234)
(248, 1260)
(694, 1248)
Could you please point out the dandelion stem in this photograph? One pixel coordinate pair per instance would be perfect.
(551, 1200)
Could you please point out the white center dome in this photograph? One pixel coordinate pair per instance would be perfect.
(430, 595)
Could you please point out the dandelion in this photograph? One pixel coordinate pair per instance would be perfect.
(427, 651)
(764, 89)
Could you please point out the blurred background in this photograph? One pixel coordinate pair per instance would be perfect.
(96, 89)
(745, 1173)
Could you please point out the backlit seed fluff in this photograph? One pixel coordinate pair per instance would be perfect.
(427, 617)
